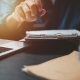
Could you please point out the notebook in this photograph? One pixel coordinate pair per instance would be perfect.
(52, 34)
(9, 46)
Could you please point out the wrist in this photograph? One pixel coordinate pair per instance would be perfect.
(13, 22)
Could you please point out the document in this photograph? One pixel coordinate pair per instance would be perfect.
(63, 68)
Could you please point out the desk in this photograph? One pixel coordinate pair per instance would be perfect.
(10, 68)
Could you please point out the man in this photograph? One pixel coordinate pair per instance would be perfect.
(60, 14)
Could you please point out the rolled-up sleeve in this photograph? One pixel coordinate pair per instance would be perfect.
(6, 8)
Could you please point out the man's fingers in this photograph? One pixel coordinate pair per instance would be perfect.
(43, 12)
(39, 5)
(32, 6)
(27, 12)
(20, 13)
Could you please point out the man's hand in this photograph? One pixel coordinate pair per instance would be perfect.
(27, 10)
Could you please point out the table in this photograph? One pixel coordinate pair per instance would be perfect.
(10, 67)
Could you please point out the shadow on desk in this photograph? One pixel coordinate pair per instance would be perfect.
(58, 47)
(48, 47)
